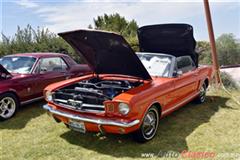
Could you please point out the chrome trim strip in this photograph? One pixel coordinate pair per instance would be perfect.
(79, 110)
(83, 105)
(61, 100)
(93, 105)
(32, 100)
(34, 65)
(66, 106)
(92, 111)
(91, 120)
(179, 104)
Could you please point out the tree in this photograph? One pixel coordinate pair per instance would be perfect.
(31, 40)
(228, 49)
(118, 24)
(204, 51)
(42, 40)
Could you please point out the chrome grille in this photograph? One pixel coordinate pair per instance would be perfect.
(79, 102)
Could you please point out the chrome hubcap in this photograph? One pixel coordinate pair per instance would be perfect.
(7, 107)
(149, 124)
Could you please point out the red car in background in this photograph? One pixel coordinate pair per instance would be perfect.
(24, 76)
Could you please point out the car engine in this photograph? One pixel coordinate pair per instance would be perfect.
(90, 94)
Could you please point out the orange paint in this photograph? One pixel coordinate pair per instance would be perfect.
(169, 93)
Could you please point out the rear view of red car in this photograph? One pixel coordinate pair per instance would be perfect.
(24, 76)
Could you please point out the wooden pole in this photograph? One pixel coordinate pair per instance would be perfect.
(212, 41)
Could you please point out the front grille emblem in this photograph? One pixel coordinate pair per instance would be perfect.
(76, 104)
(72, 102)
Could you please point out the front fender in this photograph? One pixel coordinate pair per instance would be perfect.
(5, 87)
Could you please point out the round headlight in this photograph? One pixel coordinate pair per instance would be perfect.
(49, 96)
(123, 108)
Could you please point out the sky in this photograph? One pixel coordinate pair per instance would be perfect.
(66, 15)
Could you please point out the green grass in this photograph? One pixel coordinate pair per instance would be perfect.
(213, 126)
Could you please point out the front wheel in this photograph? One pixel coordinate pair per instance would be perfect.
(149, 126)
(8, 106)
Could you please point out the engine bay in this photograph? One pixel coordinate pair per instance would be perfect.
(92, 92)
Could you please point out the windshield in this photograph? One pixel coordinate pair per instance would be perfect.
(156, 64)
(16, 64)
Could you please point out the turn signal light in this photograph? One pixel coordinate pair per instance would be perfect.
(110, 108)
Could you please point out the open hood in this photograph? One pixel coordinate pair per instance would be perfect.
(174, 39)
(106, 53)
(4, 74)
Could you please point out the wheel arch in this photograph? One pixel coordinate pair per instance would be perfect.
(206, 81)
(159, 108)
(12, 92)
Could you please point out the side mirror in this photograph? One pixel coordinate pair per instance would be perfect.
(177, 73)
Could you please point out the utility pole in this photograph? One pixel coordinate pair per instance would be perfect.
(212, 41)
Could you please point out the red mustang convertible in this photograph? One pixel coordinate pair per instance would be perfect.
(129, 92)
(24, 76)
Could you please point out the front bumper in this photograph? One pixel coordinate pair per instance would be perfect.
(91, 119)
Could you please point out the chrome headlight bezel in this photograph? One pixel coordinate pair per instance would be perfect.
(123, 108)
(49, 96)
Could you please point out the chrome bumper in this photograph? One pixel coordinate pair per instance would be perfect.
(91, 120)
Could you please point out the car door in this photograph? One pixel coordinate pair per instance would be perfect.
(186, 82)
(48, 71)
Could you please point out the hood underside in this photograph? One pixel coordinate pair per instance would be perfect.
(109, 53)
(4, 74)
(106, 53)
(174, 39)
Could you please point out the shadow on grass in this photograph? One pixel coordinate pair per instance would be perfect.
(171, 135)
(23, 116)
